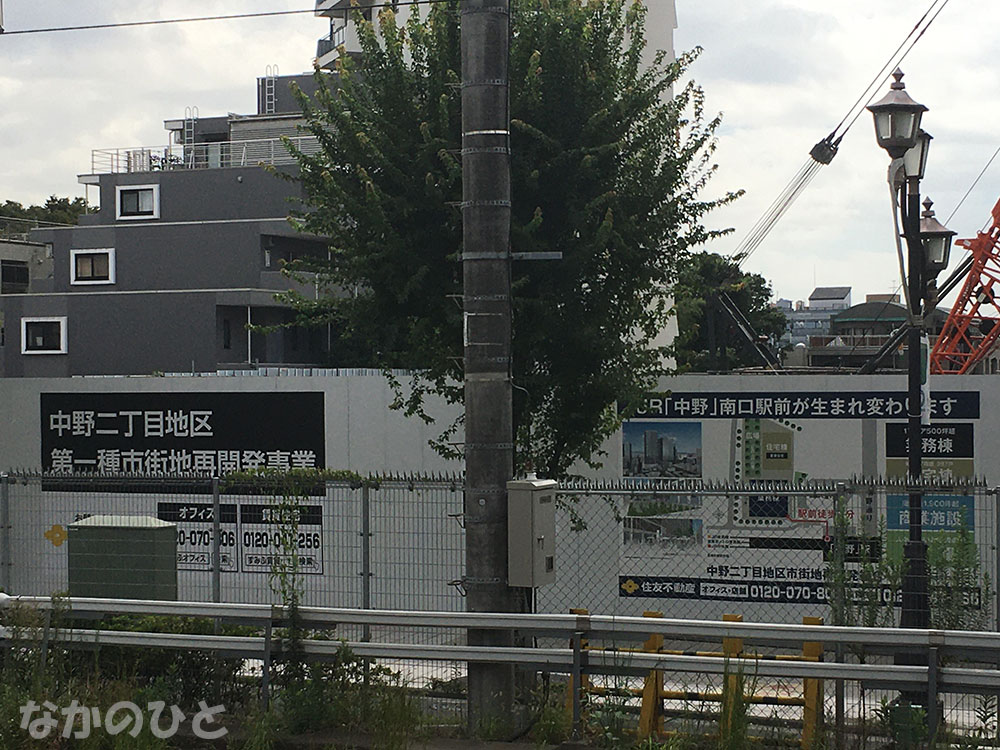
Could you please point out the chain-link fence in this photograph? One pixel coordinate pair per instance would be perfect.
(385, 544)
(765, 553)
(779, 554)
(770, 554)
(773, 554)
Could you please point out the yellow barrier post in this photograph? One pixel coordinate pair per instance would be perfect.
(584, 679)
(812, 689)
(731, 648)
(651, 712)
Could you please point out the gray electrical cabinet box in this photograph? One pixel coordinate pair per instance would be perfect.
(123, 557)
(531, 532)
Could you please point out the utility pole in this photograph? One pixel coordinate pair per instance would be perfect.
(489, 448)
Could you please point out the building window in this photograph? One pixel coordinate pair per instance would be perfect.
(13, 276)
(92, 266)
(43, 335)
(227, 334)
(137, 201)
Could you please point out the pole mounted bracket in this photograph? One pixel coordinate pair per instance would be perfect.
(485, 256)
(485, 150)
(486, 9)
(557, 255)
(469, 582)
(485, 82)
(489, 204)
(494, 131)
(483, 297)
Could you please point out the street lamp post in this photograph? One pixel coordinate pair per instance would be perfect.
(897, 130)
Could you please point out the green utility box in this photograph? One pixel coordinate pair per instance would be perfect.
(123, 557)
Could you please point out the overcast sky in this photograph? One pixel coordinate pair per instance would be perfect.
(783, 72)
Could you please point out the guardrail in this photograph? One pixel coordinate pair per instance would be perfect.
(245, 153)
(848, 341)
(929, 647)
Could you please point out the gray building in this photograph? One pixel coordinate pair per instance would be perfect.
(813, 319)
(858, 333)
(184, 252)
(24, 266)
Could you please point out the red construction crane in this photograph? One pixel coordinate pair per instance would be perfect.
(973, 326)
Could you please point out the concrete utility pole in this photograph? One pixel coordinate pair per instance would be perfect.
(489, 448)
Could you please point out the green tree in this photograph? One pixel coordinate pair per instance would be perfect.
(708, 339)
(16, 219)
(607, 168)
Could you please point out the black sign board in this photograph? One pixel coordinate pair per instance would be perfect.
(936, 441)
(181, 433)
(792, 405)
(195, 512)
(310, 515)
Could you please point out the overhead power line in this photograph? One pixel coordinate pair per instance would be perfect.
(234, 16)
(36, 221)
(157, 22)
(971, 187)
(824, 151)
(891, 64)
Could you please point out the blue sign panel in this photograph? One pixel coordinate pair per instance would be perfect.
(939, 512)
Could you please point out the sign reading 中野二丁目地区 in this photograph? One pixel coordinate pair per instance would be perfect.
(181, 433)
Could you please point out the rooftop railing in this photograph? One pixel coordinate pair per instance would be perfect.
(846, 340)
(331, 41)
(198, 156)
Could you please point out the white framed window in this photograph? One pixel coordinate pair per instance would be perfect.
(43, 335)
(137, 202)
(92, 266)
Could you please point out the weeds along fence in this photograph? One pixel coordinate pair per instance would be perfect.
(769, 553)
(929, 674)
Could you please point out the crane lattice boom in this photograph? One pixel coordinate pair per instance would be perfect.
(973, 326)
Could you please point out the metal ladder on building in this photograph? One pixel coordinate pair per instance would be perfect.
(190, 121)
(270, 83)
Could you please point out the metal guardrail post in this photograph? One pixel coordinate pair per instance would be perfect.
(577, 683)
(996, 556)
(932, 695)
(265, 675)
(840, 502)
(812, 691)
(839, 703)
(732, 648)
(216, 542)
(366, 554)
(651, 711)
(6, 571)
(366, 572)
(46, 634)
(996, 535)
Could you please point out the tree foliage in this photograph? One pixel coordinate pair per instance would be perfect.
(708, 339)
(16, 219)
(606, 167)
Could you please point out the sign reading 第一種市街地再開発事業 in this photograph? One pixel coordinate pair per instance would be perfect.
(181, 433)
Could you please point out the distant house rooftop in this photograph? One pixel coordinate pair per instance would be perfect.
(830, 292)
(872, 311)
